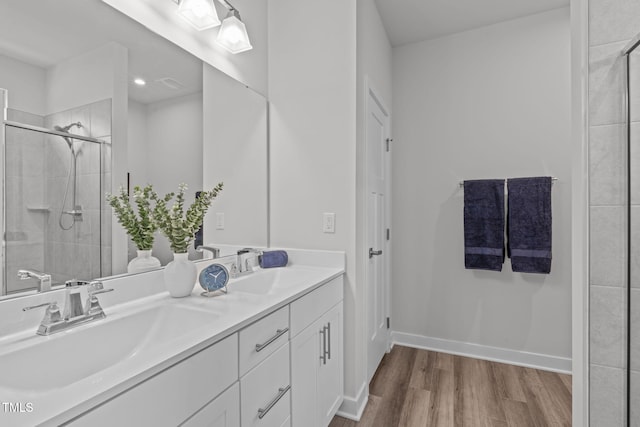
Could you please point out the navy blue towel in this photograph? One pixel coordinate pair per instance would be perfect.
(529, 224)
(272, 259)
(484, 224)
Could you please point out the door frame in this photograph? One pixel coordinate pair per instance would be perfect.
(373, 93)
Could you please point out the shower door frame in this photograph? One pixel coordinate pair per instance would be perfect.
(627, 51)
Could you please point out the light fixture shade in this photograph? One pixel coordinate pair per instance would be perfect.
(201, 14)
(233, 34)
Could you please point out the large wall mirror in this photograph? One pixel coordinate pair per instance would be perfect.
(70, 67)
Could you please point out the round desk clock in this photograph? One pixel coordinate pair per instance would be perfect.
(214, 278)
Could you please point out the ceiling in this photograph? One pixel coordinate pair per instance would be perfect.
(43, 33)
(409, 21)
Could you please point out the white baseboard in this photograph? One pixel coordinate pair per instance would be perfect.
(495, 354)
(352, 408)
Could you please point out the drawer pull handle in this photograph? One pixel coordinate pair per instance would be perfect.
(281, 392)
(279, 333)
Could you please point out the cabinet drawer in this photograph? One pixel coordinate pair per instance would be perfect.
(262, 338)
(265, 392)
(224, 411)
(313, 305)
(173, 395)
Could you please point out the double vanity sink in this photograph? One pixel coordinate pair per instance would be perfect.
(55, 379)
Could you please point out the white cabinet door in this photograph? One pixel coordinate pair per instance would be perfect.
(316, 371)
(224, 411)
(330, 376)
(305, 360)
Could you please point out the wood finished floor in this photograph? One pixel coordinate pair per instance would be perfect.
(423, 388)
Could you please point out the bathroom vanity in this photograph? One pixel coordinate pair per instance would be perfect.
(267, 353)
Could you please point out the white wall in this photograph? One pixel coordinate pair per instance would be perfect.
(374, 65)
(235, 152)
(83, 79)
(174, 132)
(138, 149)
(488, 103)
(312, 86)
(26, 84)
(248, 67)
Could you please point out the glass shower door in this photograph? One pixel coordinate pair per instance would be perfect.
(53, 205)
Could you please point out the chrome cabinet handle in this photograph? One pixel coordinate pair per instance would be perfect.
(329, 339)
(372, 253)
(323, 352)
(279, 333)
(327, 347)
(281, 392)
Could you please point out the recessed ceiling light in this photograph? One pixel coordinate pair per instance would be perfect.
(139, 81)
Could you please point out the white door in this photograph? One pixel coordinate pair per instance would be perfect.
(377, 134)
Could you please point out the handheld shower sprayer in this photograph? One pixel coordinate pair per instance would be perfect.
(76, 210)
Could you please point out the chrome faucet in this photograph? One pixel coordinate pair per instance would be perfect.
(73, 301)
(242, 265)
(44, 284)
(53, 321)
(214, 251)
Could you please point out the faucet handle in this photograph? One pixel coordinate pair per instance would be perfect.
(97, 287)
(51, 315)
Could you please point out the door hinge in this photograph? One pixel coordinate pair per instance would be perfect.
(388, 234)
(389, 140)
(388, 322)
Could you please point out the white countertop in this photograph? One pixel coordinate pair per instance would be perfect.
(229, 313)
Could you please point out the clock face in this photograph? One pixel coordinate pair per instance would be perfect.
(214, 277)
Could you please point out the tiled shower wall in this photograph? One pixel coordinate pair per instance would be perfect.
(612, 23)
(82, 249)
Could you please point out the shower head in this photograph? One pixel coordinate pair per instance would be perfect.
(66, 130)
(68, 127)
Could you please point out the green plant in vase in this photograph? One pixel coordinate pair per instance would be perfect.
(180, 226)
(139, 223)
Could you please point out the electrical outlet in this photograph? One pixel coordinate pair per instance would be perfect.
(329, 222)
(220, 221)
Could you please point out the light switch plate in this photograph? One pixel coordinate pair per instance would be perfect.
(219, 220)
(329, 222)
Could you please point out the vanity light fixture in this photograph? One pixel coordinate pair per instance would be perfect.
(233, 33)
(201, 14)
(139, 81)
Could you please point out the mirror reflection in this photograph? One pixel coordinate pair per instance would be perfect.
(95, 100)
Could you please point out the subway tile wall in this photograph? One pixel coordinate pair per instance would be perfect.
(612, 24)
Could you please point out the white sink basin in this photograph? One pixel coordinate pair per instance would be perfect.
(67, 357)
(272, 280)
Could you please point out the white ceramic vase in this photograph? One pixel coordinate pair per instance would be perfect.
(143, 262)
(180, 276)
